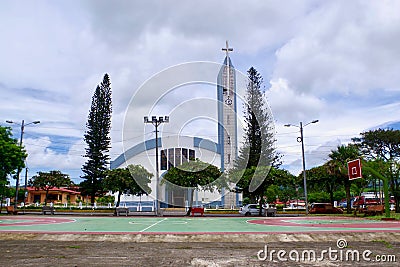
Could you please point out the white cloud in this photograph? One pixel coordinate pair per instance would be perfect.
(42, 153)
(290, 106)
(346, 47)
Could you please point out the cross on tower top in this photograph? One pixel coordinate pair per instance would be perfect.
(227, 49)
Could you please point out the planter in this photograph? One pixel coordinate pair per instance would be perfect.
(388, 219)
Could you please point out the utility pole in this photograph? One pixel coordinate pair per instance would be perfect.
(19, 169)
(301, 140)
(156, 122)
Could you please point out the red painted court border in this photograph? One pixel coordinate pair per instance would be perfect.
(34, 221)
(345, 226)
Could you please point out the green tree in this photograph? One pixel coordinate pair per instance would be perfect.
(257, 153)
(133, 179)
(338, 167)
(254, 175)
(5, 192)
(273, 192)
(48, 180)
(384, 145)
(97, 138)
(321, 178)
(195, 175)
(318, 197)
(284, 185)
(12, 157)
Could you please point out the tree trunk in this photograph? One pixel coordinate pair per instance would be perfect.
(118, 198)
(260, 202)
(190, 195)
(348, 197)
(45, 198)
(2, 198)
(1, 203)
(92, 197)
(93, 192)
(331, 194)
(396, 195)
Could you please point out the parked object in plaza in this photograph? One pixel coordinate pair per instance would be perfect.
(324, 208)
(251, 209)
(254, 210)
(295, 206)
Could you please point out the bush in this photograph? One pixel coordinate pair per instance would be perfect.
(319, 197)
(105, 200)
(339, 195)
(246, 201)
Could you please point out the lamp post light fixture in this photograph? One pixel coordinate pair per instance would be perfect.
(301, 140)
(20, 144)
(156, 122)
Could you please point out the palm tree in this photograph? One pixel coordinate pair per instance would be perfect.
(338, 166)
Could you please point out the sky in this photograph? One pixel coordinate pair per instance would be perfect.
(335, 61)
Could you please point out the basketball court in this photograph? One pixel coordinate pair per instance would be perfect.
(183, 241)
(192, 225)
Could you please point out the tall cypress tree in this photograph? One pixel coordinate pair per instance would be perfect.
(257, 152)
(97, 138)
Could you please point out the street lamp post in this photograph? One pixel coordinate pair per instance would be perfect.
(156, 122)
(301, 140)
(20, 144)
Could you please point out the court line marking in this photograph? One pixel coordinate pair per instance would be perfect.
(144, 223)
(154, 224)
(36, 221)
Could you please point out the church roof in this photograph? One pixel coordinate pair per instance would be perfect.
(230, 62)
(151, 144)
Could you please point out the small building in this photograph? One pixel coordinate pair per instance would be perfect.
(56, 195)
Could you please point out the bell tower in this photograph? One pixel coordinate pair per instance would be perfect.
(227, 117)
(227, 124)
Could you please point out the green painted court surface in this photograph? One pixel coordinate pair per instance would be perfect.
(176, 225)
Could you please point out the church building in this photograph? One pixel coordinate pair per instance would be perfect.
(175, 150)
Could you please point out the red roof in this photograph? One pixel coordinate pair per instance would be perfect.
(61, 189)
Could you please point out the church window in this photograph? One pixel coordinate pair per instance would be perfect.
(192, 155)
(178, 156)
(164, 159)
(185, 157)
(171, 158)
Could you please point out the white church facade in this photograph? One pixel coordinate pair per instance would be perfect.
(174, 150)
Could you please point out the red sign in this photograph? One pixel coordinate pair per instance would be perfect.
(354, 169)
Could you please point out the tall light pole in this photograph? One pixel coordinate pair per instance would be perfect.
(156, 122)
(301, 140)
(20, 144)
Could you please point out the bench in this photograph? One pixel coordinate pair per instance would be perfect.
(11, 210)
(374, 210)
(46, 209)
(120, 210)
(271, 212)
(198, 210)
